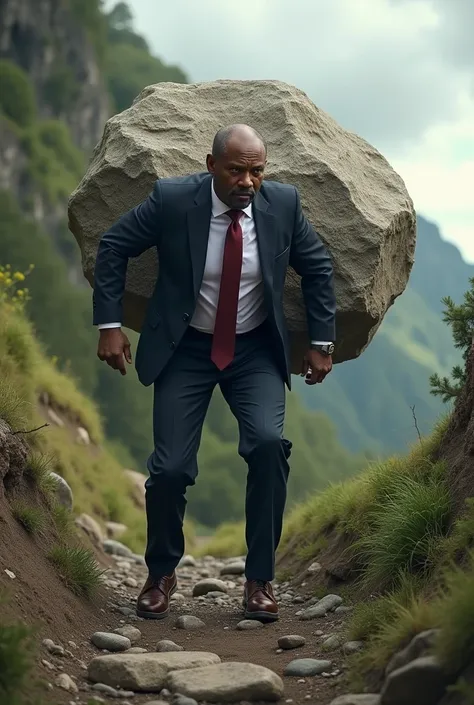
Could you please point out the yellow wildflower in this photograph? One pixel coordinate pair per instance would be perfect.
(19, 276)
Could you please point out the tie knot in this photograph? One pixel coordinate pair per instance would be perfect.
(234, 215)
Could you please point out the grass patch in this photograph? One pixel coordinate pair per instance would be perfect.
(31, 518)
(228, 541)
(455, 608)
(62, 519)
(405, 531)
(17, 651)
(13, 407)
(78, 569)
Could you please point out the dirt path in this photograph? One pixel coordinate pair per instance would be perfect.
(221, 614)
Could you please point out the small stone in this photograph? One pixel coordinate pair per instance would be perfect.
(126, 611)
(293, 641)
(55, 649)
(130, 632)
(178, 597)
(249, 624)
(179, 699)
(66, 683)
(130, 582)
(116, 548)
(166, 645)
(187, 561)
(110, 641)
(237, 568)
(106, 689)
(306, 667)
(48, 664)
(343, 609)
(314, 568)
(136, 650)
(72, 644)
(10, 574)
(325, 605)
(188, 621)
(359, 699)
(331, 643)
(202, 587)
(298, 600)
(352, 647)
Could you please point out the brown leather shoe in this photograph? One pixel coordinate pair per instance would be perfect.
(154, 600)
(259, 601)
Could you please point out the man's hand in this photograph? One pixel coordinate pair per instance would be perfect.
(315, 366)
(114, 348)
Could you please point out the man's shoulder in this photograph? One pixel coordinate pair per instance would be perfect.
(187, 181)
(277, 192)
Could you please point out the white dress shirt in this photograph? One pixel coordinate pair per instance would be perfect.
(251, 309)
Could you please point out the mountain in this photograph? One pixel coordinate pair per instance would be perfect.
(371, 399)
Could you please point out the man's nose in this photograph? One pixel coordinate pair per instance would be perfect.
(245, 181)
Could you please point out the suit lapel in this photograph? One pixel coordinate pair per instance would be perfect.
(198, 220)
(265, 226)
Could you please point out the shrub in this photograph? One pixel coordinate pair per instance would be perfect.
(17, 98)
(16, 661)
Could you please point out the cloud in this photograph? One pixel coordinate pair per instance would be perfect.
(398, 72)
(379, 72)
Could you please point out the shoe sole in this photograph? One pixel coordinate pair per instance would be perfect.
(156, 615)
(260, 616)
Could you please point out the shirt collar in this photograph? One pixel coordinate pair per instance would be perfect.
(218, 207)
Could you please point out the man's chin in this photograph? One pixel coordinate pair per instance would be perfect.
(241, 201)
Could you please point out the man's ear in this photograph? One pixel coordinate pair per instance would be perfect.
(210, 163)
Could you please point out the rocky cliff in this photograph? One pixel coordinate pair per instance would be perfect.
(50, 43)
(53, 107)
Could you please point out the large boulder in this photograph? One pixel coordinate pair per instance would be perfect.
(348, 190)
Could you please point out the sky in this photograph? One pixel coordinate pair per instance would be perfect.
(400, 73)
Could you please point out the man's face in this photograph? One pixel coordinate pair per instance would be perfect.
(238, 173)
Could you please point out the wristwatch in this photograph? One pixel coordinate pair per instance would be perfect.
(323, 349)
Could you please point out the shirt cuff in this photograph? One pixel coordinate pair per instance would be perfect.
(319, 342)
(102, 326)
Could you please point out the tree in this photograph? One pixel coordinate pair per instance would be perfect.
(461, 319)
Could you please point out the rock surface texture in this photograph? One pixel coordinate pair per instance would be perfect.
(349, 192)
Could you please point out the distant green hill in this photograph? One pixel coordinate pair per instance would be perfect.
(370, 399)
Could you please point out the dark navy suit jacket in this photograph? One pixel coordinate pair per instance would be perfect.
(175, 218)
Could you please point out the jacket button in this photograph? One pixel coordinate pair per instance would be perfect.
(185, 316)
(172, 345)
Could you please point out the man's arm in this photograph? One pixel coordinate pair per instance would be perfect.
(310, 259)
(134, 233)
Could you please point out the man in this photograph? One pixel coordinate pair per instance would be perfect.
(225, 239)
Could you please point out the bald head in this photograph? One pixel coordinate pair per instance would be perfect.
(238, 135)
(237, 164)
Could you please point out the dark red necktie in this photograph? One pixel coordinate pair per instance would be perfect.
(223, 341)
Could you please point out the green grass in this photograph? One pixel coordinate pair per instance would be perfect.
(227, 541)
(13, 408)
(33, 519)
(455, 608)
(78, 569)
(17, 651)
(63, 520)
(405, 531)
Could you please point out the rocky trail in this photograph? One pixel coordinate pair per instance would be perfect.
(204, 651)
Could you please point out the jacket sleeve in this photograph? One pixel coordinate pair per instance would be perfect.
(310, 259)
(135, 232)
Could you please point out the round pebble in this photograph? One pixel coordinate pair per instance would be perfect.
(249, 624)
(293, 641)
(110, 641)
